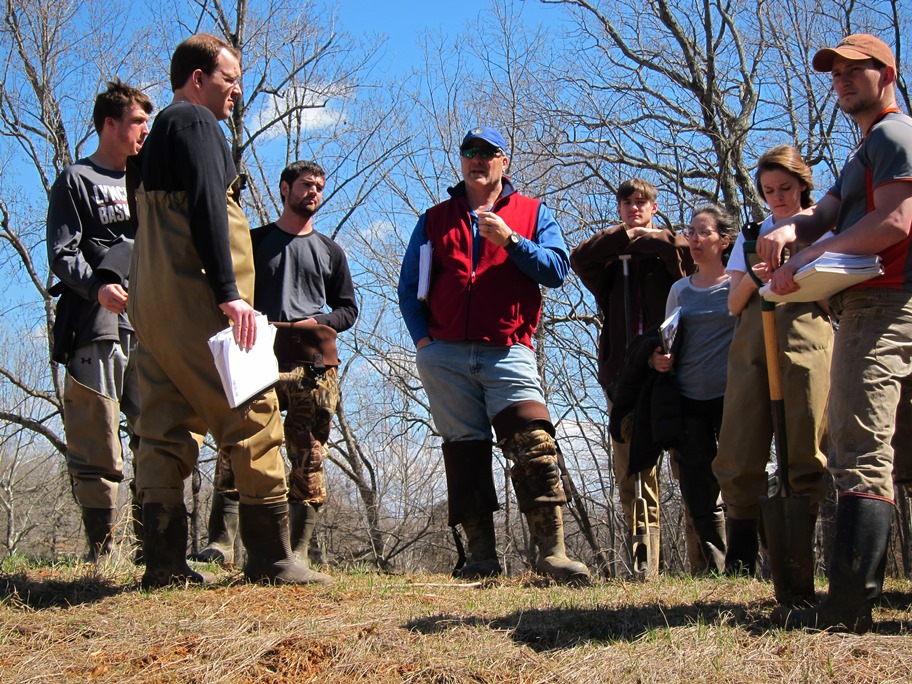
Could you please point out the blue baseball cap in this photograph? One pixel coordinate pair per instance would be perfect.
(488, 134)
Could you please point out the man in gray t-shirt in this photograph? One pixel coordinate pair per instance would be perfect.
(89, 240)
(300, 273)
(870, 404)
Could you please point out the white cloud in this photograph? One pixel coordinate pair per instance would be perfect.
(320, 112)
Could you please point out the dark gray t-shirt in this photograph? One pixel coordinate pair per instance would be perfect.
(300, 276)
(883, 156)
(87, 215)
(701, 362)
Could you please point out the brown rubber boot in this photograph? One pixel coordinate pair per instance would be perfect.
(482, 556)
(165, 547)
(223, 526)
(304, 519)
(99, 529)
(546, 527)
(264, 531)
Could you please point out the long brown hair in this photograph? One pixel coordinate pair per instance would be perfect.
(787, 158)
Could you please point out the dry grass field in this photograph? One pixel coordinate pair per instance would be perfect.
(73, 624)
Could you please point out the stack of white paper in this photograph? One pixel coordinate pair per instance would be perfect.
(669, 329)
(425, 259)
(245, 374)
(828, 274)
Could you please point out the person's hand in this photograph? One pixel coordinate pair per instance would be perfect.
(770, 246)
(243, 316)
(493, 228)
(640, 231)
(762, 271)
(662, 362)
(423, 342)
(783, 280)
(113, 298)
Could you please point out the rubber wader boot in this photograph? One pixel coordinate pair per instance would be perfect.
(856, 568)
(742, 546)
(710, 531)
(165, 547)
(482, 555)
(546, 527)
(99, 529)
(223, 525)
(264, 531)
(304, 519)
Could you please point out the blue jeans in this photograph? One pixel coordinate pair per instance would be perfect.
(468, 383)
(870, 414)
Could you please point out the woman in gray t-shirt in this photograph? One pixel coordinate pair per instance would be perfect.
(706, 329)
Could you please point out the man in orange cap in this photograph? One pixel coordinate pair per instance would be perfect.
(869, 208)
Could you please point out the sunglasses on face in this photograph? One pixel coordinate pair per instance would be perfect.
(486, 153)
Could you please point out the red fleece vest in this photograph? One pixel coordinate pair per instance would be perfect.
(497, 303)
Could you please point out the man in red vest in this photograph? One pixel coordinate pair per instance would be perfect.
(490, 251)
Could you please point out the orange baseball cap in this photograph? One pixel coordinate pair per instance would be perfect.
(856, 46)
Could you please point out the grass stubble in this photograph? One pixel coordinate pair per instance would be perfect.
(73, 623)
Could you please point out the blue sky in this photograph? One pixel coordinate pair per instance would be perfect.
(404, 21)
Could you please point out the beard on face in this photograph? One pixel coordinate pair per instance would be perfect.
(860, 104)
(302, 208)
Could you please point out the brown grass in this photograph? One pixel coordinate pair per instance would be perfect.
(71, 624)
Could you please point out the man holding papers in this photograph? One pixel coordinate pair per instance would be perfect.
(300, 273)
(493, 249)
(870, 210)
(192, 274)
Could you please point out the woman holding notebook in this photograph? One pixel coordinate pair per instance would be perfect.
(805, 346)
(699, 360)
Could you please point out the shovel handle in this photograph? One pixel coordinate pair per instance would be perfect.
(773, 375)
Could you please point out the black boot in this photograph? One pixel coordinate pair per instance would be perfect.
(165, 547)
(264, 531)
(742, 546)
(304, 519)
(223, 525)
(471, 501)
(99, 528)
(856, 568)
(482, 557)
(710, 530)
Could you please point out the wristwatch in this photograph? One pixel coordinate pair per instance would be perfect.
(513, 240)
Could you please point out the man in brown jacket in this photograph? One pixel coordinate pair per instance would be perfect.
(659, 257)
